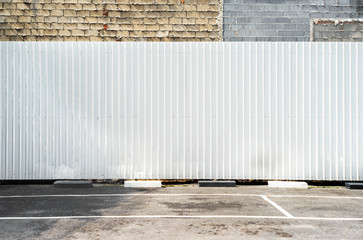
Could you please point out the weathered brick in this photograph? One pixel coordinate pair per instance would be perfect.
(123, 33)
(49, 6)
(166, 27)
(38, 19)
(82, 26)
(108, 33)
(9, 19)
(77, 32)
(10, 32)
(140, 20)
(131, 21)
(56, 38)
(70, 26)
(70, 12)
(17, 25)
(89, 7)
(139, 27)
(11, 5)
(56, 26)
(137, 8)
(64, 20)
(51, 19)
(151, 20)
(91, 33)
(44, 25)
(77, 20)
(202, 7)
(56, 13)
(16, 38)
(90, 20)
(153, 27)
(114, 14)
(64, 33)
(63, 6)
(83, 39)
(95, 39)
(114, 27)
(29, 38)
(96, 13)
(123, 7)
(201, 21)
(136, 34)
(43, 13)
(175, 21)
(24, 19)
(50, 32)
(127, 27)
(188, 20)
(22, 6)
(4, 38)
(96, 26)
(71, 39)
(201, 34)
(83, 13)
(76, 6)
(161, 21)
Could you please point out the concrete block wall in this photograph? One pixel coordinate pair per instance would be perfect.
(328, 30)
(281, 20)
(110, 20)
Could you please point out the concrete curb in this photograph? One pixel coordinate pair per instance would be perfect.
(142, 184)
(73, 184)
(283, 184)
(217, 183)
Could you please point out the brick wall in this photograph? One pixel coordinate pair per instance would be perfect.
(327, 30)
(110, 20)
(281, 20)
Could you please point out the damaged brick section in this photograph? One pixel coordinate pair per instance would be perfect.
(111, 20)
(337, 30)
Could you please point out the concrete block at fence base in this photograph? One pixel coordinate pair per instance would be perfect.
(354, 185)
(73, 184)
(142, 184)
(283, 184)
(217, 183)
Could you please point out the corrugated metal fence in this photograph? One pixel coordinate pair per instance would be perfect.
(181, 110)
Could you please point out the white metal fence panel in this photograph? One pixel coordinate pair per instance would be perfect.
(181, 110)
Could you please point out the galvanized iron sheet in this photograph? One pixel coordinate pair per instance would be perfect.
(181, 110)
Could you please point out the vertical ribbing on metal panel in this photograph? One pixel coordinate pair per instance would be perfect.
(181, 110)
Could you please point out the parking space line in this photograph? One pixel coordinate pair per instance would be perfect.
(182, 216)
(176, 194)
(286, 213)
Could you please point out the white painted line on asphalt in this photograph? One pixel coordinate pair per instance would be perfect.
(182, 216)
(312, 196)
(286, 213)
(177, 194)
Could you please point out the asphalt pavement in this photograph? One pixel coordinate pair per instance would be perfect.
(179, 212)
